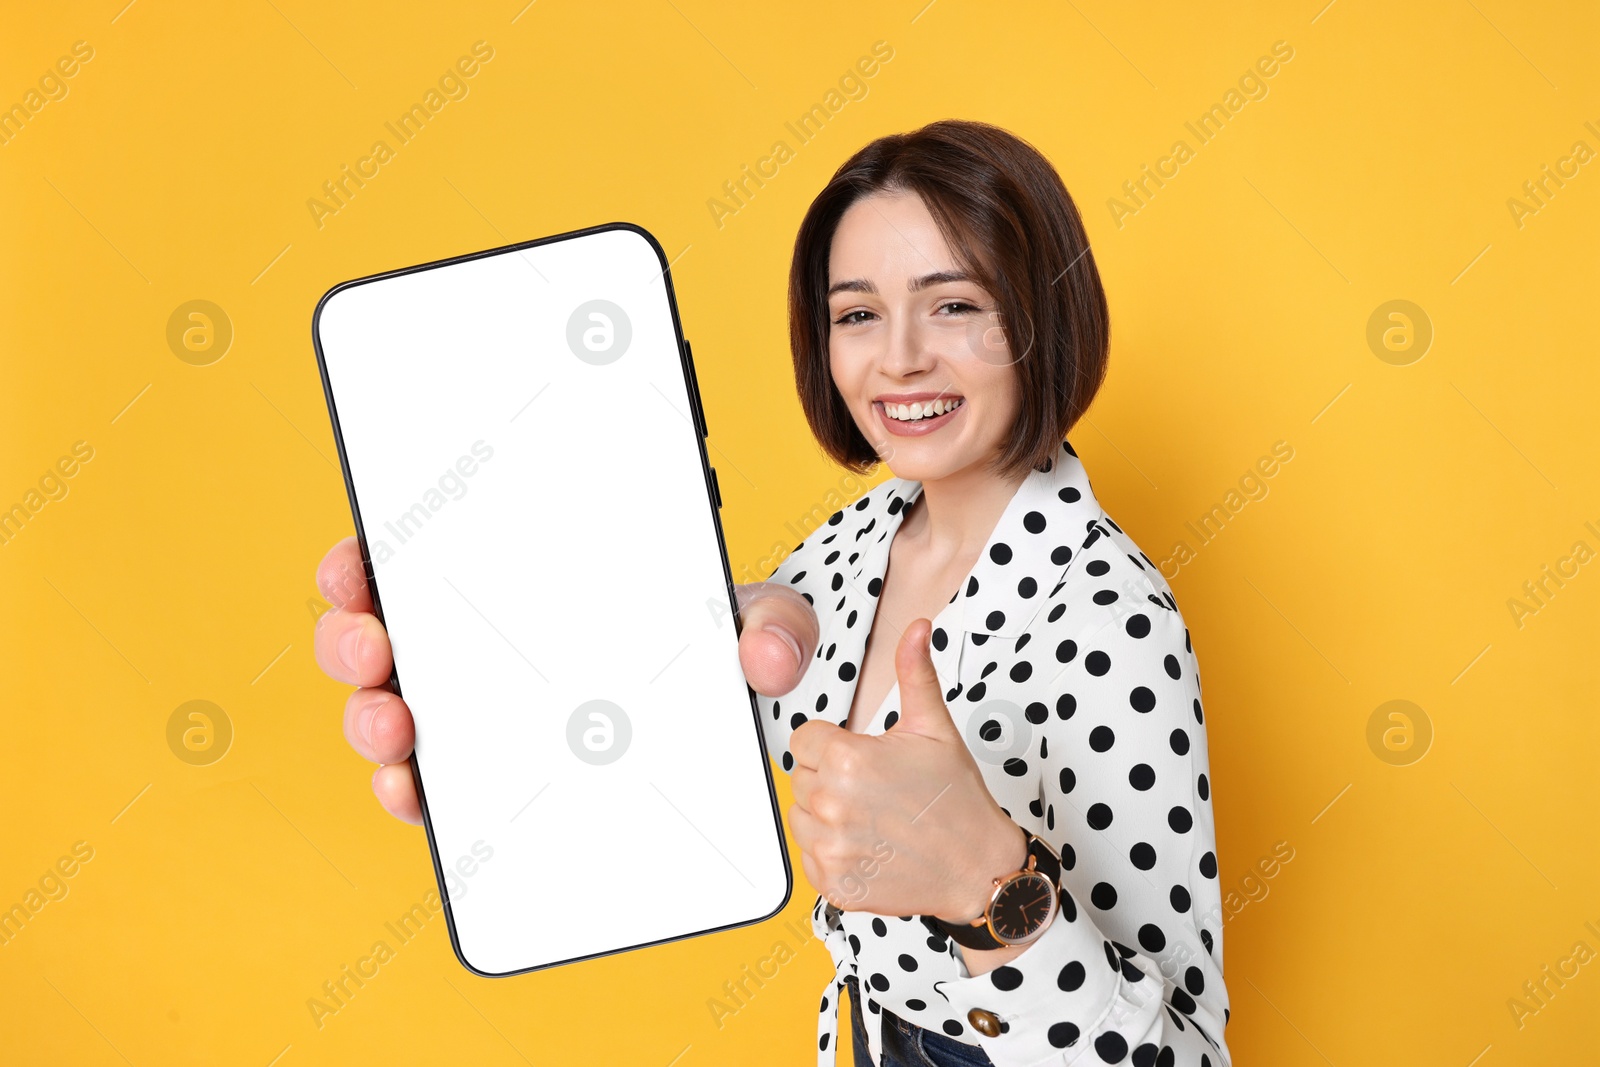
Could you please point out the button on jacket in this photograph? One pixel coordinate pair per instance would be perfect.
(1067, 665)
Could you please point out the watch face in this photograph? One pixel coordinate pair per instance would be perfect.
(1020, 909)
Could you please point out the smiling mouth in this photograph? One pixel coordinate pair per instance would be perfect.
(924, 409)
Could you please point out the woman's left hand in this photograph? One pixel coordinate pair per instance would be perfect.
(900, 823)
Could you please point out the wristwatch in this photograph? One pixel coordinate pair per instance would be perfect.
(1020, 905)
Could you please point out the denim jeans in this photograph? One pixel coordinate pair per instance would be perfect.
(906, 1044)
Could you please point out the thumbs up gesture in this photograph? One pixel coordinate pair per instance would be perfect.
(900, 823)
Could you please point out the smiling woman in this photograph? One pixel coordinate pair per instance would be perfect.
(1003, 691)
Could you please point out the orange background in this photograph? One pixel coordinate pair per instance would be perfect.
(1379, 564)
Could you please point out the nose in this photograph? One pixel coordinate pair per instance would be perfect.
(909, 353)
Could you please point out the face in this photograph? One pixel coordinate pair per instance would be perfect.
(915, 346)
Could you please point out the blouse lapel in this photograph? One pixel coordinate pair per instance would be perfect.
(1051, 515)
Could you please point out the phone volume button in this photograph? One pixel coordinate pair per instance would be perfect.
(716, 489)
(694, 391)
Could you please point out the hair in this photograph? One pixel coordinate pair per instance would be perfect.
(1008, 218)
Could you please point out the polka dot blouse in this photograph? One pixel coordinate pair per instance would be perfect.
(1068, 667)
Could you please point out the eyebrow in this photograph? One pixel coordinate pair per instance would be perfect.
(862, 285)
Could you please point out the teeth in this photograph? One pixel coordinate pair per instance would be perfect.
(921, 410)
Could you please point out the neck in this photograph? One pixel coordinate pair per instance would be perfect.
(954, 516)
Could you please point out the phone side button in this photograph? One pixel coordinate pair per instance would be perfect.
(716, 489)
(694, 386)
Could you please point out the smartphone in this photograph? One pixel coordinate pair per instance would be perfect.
(524, 449)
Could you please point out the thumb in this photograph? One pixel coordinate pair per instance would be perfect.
(922, 707)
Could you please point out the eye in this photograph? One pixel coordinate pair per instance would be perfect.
(959, 304)
(848, 319)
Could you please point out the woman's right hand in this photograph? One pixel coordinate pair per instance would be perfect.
(778, 638)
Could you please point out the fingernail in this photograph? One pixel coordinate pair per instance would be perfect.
(367, 714)
(794, 646)
(350, 648)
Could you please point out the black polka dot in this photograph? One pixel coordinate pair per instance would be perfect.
(1033, 522)
(879, 927)
(907, 962)
(1071, 977)
(1097, 567)
(1099, 816)
(995, 620)
(1208, 865)
(1180, 820)
(1112, 1047)
(1068, 779)
(1171, 666)
(1137, 626)
(1000, 553)
(1005, 978)
(1062, 1035)
(1194, 980)
(1144, 1055)
(1142, 776)
(1097, 663)
(1065, 651)
(1142, 855)
(1142, 699)
(1179, 898)
(1101, 738)
(952, 1027)
(916, 1005)
(1027, 588)
(939, 639)
(1021, 671)
(1179, 742)
(1203, 787)
(1103, 896)
(878, 981)
(1151, 939)
(847, 671)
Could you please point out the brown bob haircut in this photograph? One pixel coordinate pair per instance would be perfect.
(1007, 216)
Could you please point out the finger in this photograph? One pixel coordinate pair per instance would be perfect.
(343, 578)
(397, 792)
(810, 739)
(777, 638)
(922, 707)
(803, 782)
(378, 725)
(353, 647)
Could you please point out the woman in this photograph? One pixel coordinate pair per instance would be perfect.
(983, 690)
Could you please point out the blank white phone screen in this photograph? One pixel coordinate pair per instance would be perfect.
(520, 445)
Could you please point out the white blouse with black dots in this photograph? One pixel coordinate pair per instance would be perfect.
(1067, 665)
